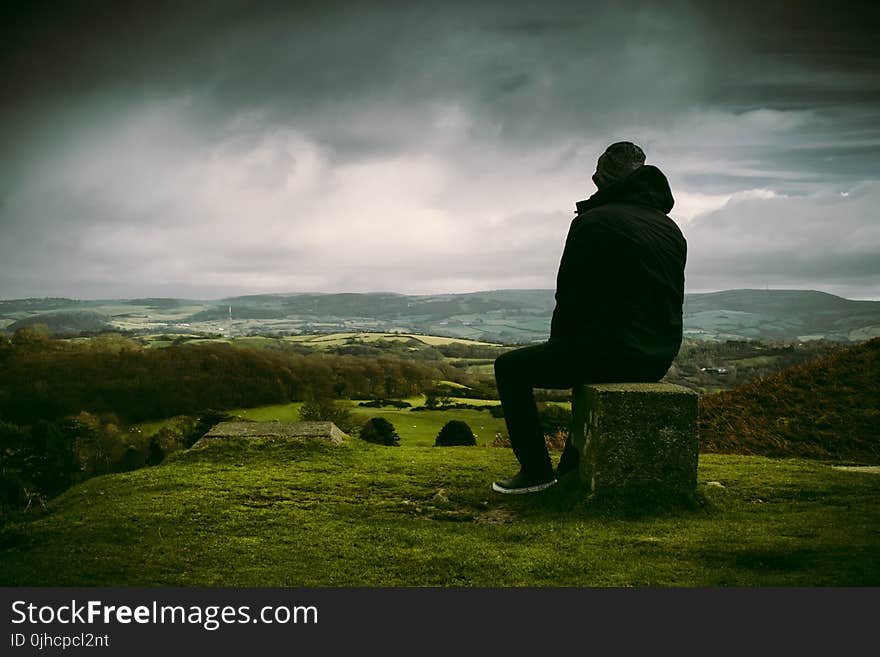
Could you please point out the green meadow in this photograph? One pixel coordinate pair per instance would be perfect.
(414, 427)
(300, 513)
(292, 513)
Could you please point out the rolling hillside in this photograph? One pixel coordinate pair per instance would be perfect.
(780, 315)
(827, 408)
(502, 316)
(63, 324)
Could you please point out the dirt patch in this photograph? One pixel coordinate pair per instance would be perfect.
(495, 516)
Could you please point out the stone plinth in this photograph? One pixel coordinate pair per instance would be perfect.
(316, 430)
(636, 438)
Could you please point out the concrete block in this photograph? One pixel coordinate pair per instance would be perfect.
(636, 438)
(324, 431)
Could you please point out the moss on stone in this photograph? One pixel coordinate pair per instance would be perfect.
(638, 437)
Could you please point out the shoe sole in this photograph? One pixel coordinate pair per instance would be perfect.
(520, 491)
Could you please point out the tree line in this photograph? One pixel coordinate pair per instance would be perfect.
(65, 406)
(45, 379)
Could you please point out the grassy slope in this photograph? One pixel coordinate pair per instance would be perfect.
(414, 428)
(301, 514)
(826, 408)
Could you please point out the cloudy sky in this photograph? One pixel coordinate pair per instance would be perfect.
(207, 149)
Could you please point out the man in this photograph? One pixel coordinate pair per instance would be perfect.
(618, 315)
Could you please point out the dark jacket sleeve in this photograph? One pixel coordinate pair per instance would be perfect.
(580, 283)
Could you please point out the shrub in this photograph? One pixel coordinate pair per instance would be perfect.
(379, 403)
(49, 460)
(12, 495)
(455, 432)
(132, 459)
(555, 442)
(155, 453)
(380, 431)
(328, 410)
(554, 419)
(192, 429)
(169, 438)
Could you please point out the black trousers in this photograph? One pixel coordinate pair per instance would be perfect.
(548, 365)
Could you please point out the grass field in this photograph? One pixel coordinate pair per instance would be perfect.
(339, 339)
(421, 428)
(415, 428)
(290, 513)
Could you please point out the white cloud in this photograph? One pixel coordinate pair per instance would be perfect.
(154, 203)
(689, 205)
(827, 241)
(148, 203)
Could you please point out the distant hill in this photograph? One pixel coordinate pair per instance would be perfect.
(394, 306)
(220, 313)
(66, 323)
(158, 302)
(524, 315)
(780, 315)
(504, 316)
(827, 408)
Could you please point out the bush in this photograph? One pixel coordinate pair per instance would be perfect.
(169, 439)
(379, 403)
(554, 442)
(132, 459)
(191, 429)
(12, 494)
(380, 431)
(455, 432)
(554, 419)
(458, 406)
(155, 453)
(49, 461)
(329, 410)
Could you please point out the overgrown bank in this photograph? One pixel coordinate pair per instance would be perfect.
(828, 408)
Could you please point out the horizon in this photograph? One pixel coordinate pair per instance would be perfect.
(389, 292)
(224, 149)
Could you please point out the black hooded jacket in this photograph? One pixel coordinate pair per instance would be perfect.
(620, 287)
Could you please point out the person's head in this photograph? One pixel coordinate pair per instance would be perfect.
(617, 162)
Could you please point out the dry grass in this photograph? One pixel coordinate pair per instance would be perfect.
(828, 408)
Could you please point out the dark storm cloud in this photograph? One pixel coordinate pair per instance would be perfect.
(750, 53)
(796, 54)
(225, 147)
(503, 59)
(523, 72)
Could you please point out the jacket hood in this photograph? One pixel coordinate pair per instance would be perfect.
(645, 186)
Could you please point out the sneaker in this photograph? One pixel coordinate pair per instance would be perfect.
(522, 483)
